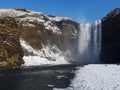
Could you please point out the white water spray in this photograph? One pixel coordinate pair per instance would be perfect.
(89, 42)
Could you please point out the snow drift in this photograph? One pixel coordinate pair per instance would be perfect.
(96, 77)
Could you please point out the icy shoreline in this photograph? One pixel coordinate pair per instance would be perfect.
(96, 77)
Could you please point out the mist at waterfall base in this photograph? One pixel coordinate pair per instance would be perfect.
(89, 43)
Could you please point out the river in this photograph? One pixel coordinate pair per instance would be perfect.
(37, 78)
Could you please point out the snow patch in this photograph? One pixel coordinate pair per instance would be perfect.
(32, 19)
(11, 13)
(15, 13)
(96, 77)
(26, 46)
(62, 76)
(49, 26)
(50, 86)
(57, 19)
(36, 12)
(37, 60)
(48, 55)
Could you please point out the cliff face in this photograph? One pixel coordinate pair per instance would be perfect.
(37, 32)
(110, 52)
(10, 50)
(61, 33)
(50, 37)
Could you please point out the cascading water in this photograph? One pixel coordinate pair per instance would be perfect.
(89, 42)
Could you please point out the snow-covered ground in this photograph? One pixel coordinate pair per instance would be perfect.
(96, 77)
(48, 55)
(37, 60)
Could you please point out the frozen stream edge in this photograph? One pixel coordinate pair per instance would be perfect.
(96, 77)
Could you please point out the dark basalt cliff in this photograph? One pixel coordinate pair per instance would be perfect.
(11, 52)
(110, 52)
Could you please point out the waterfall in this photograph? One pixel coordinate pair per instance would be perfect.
(89, 43)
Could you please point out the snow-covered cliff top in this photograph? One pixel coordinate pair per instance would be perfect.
(24, 12)
(30, 17)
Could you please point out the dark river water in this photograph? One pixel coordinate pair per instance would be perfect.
(37, 78)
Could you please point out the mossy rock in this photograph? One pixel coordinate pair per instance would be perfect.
(3, 53)
(11, 52)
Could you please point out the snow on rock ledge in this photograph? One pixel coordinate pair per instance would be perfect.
(28, 17)
(16, 12)
(49, 55)
(37, 60)
(57, 19)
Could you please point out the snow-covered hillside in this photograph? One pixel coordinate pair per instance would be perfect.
(96, 77)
